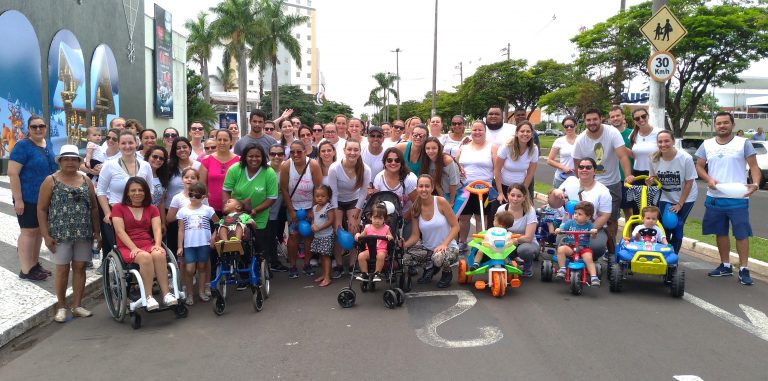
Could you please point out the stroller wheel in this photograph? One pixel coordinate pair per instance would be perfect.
(390, 299)
(400, 296)
(346, 297)
(219, 303)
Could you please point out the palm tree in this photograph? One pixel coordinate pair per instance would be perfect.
(200, 43)
(237, 24)
(384, 82)
(377, 103)
(277, 31)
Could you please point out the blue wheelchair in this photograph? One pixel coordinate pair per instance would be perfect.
(239, 266)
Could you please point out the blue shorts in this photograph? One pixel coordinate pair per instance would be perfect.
(719, 212)
(199, 254)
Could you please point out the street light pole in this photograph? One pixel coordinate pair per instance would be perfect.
(397, 73)
(434, 68)
(461, 82)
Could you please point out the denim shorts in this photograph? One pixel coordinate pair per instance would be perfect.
(717, 216)
(197, 254)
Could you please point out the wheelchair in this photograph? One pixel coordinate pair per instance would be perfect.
(241, 266)
(124, 290)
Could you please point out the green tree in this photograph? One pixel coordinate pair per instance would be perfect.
(303, 104)
(224, 74)
(378, 104)
(197, 107)
(277, 30)
(237, 24)
(722, 41)
(330, 109)
(200, 44)
(576, 97)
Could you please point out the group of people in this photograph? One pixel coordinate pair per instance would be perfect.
(137, 193)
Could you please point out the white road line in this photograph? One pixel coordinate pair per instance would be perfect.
(757, 324)
(688, 378)
(428, 334)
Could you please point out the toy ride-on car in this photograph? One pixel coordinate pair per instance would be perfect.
(496, 245)
(576, 274)
(646, 257)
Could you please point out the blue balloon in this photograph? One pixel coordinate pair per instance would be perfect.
(301, 214)
(305, 229)
(570, 206)
(669, 219)
(346, 240)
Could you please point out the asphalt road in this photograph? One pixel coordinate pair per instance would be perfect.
(758, 202)
(538, 331)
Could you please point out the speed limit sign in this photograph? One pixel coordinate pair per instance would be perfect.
(661, 66)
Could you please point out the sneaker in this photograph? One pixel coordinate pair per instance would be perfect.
(207, 291)
(293, 273)
(527, 270)
(204, 297)
(241, 286)
(89, 265)
(100, 269)
(81, 312)
(594, 281)
(722, 271)
(152, 304)
(560, 275)
(338, 271)
(278, 267)
(61, 315)
(362, 277)
(33, 275)
(744, 277)
(463, 247)
(42, 269)
(314, 263)
(170, 300)
(190, 300)
(474, 267)
(309, 270)
(377, 277)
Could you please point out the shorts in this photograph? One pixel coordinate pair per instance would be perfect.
(68, 252)
(323, 245)
(28, 220)
(293, 227)
(716, 219)
(625, 204)
(199, 254)
(616, 192)
(347, 205)
(473, 205)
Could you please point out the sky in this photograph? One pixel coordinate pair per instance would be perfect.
(356, 38)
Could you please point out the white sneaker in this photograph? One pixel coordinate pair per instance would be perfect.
(152, 304)
(169, 300)
(61, 315)
(190, 300)
(207, 290)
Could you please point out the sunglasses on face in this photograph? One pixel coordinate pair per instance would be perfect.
(393, 160)
(196, 195)
(196, 129)
(296, 152)
(569, 126)
(417, 136)
(113, 138)
(457, 123)
(158, 157)
(275, 154)
(585, 167)
(317, 130)
(211, 148)
(268, 129)
(399, 127)
(641, 117)
(36, 126)
(170, 135)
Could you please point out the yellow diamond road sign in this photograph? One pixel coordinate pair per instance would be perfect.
(663, 30)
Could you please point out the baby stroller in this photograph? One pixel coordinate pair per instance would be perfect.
(393, 265)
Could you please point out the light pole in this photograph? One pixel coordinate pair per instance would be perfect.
(434, 68)
(397, 73)
(461, 79)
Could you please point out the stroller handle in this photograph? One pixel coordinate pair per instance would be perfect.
(656, 182)
(478, 191)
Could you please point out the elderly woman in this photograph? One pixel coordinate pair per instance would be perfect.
(561, 155)
(139, 238)
(584, 187)
(435, 223)
(516, 161)
(69, 223)
(442, 168)
(31, 161)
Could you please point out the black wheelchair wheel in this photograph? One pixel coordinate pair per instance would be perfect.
(115, 287)
(136, 321)
(400, 296)
(181, 310)
(346, 297)
(546, 270)
(258, 298)
(265, 281)
(219, 303)
(390, 299)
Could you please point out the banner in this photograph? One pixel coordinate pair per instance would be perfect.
(163, 64)
(66, 91)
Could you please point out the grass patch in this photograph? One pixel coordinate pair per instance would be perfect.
(758, 247)
(546, 141)
(540, 187)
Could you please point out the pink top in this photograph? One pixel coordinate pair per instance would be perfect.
(217, 171)
(381, 245)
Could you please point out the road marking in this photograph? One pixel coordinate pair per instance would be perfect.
(688, 377)
(428, 334)
(757, 324)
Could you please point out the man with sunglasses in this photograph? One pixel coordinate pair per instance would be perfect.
(618, 121)
(606, 147)
(256, 135)
(372, 152)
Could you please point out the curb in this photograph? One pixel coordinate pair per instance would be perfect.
(701, 249)
(45, 315)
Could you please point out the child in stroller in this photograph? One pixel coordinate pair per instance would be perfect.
(377, 227)
(233, 225)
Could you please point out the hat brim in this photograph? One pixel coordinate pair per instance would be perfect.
(58, 158)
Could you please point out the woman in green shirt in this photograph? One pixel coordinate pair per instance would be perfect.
(254, 182)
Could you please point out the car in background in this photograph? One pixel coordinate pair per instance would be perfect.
(762, 161)
(750, 131)
(690, 145)
(552, 132)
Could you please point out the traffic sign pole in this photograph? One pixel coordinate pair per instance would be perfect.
(657, 90)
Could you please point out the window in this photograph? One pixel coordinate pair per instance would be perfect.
(309, 88)
(309, 75)
(309, 38)
(309, 50)
(298, 74)
(309, 63)
(250, 82)
(298, 35)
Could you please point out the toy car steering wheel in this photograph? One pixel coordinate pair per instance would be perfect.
(478, 191)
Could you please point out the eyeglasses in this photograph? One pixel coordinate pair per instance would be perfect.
(158, 157)
(274, 154)
(317, 129)
(586, 167)
(330, 132)
(113, 138)
(457, 123)
(418, 136)
(268, 129)
(569, 126)
(37, 126)
(399, 127)
(296, 152)
(305, 135)
(170, 135)
(641, 117)
(375, 136)
(211, 148)
(196, 195)
(393, 160)
(196, 129)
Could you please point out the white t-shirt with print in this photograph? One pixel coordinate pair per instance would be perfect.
(602, 150)
(197, 225)
(673, 174)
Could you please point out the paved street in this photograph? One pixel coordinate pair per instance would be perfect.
(758, 202)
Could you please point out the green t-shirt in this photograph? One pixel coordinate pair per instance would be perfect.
(625, 135)
(258, 188)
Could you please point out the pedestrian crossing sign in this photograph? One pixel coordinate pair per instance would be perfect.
(663, 30)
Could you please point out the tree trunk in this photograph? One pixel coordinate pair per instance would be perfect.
(275, 93)
(242, 83)
(261, 83)
(206, 80)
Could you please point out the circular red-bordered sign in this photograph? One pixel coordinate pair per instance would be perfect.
(662, 66)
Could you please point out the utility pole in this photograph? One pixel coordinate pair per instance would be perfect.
(461, 79)
(434, 68)
(397, 68)
(658, 91)
(507, 50)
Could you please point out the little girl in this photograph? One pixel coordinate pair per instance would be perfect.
(235, 222)
(195, 237)
(322, 230)
(376, 227)
(93, 149)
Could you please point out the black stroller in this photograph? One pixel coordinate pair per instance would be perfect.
(393, 265)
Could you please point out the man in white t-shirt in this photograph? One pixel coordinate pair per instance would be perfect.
(721, 160)
(606, 146)
(496, 131)
(373, 152)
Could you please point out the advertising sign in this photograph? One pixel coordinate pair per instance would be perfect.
(163, 64)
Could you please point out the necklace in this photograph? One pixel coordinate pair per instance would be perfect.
(125, 167)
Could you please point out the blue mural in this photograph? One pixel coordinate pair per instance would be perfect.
(66, 91)
(20, 78)
(105, 88)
